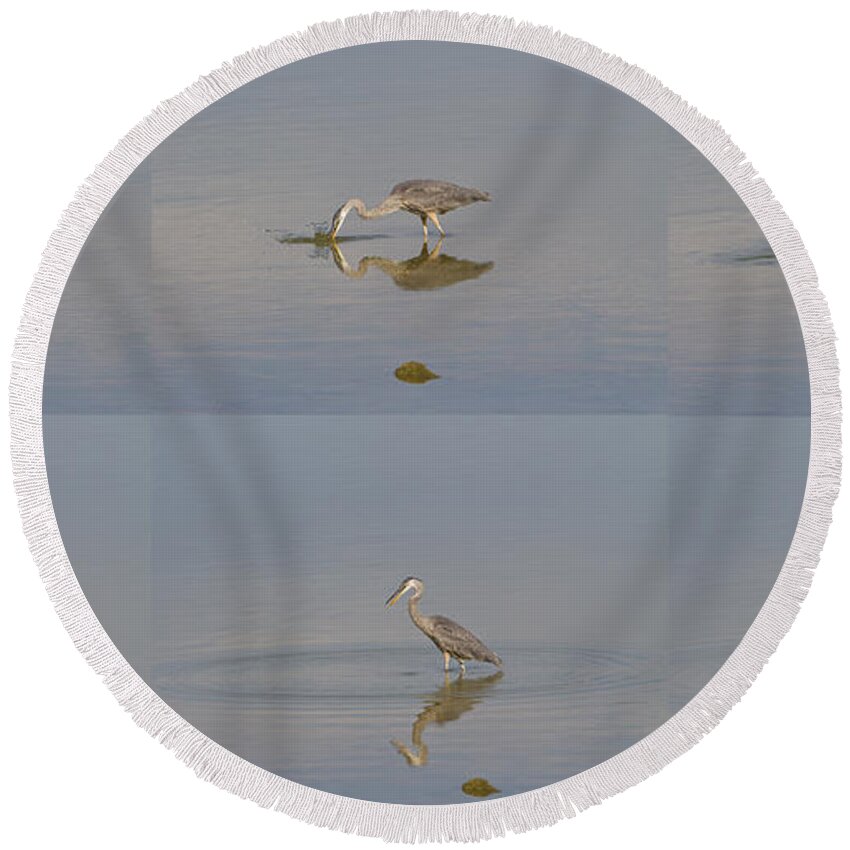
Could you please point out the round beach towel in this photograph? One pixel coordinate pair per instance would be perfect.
(426, 424)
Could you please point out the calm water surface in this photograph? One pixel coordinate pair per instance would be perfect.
(614, 271)
(241, 564)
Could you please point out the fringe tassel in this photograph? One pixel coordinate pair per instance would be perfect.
(466, 821)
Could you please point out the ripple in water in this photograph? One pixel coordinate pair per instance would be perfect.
(298, 676)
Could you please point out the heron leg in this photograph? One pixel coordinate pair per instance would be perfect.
(446, 659)
(433, 217)
(462, 666)
(425, 230)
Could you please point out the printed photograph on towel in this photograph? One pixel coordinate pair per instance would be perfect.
(426, 422)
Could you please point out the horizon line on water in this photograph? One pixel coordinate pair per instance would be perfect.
(417, 415)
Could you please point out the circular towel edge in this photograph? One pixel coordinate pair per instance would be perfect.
(461, 821)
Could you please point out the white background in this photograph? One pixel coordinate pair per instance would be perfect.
(77, 76)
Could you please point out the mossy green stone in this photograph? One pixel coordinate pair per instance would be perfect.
(478, 787)
(415, 373)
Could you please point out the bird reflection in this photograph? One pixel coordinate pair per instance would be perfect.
(455, 698)
(429, 269)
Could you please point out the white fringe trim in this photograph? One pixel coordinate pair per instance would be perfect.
(464, 821)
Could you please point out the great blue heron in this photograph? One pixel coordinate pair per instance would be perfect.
(453, 640)
(425, 198)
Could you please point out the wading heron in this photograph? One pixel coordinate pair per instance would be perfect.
(453, 640)
(424, 198)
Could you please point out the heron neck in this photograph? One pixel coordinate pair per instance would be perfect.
(413, 610)
(387, 206)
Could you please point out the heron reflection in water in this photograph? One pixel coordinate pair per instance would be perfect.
(429, 269)
(447, 703)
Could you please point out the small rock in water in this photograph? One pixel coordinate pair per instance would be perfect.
(415, 373)
(478, 787)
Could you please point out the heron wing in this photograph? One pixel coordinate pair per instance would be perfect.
(423, 187)
(460, 642)
(432, 195)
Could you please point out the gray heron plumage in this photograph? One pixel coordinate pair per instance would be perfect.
(426, 199)
(452, 639)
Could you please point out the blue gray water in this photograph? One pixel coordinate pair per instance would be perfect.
(241, 564)
(603, 483)
(625, 275)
